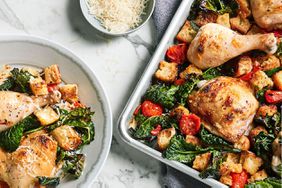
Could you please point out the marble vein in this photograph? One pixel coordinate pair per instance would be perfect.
(137, 41)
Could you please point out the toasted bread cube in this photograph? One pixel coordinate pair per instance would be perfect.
(167, 72)
(245, 65)
(226, 179)
(201, 162)
(69, 92)
(191, 69)
(224, 20)
(34, 72)
(179, 111)
(190, 139)
(240, 24)
(243, 143)
(205, 17)
(270, 62)
(255, 30)
(38, 86)
(277, 79)
(250, 162)
(46, 116)
(187, 33)
(266, 110)
(67, 137)
(232, 157)
(244, 8)
(260, 80)
(52, 74)
(227, 167)
(164, 137)
(258, 176)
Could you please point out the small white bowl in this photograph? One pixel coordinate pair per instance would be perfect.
(97, 25)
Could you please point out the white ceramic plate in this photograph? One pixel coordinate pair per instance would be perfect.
(37, 52)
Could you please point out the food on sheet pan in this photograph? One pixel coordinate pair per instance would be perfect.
(43, 127)
(215, 100)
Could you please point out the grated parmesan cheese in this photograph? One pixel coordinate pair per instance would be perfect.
(118, 16)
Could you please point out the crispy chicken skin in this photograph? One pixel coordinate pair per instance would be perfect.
(36, 156)
(226, 105)
(267, 13)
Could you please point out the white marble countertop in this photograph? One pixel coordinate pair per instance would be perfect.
(114, 60)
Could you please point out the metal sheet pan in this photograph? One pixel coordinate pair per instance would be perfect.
(143, 84)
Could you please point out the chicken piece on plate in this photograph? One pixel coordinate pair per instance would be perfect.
(36, 156)
(215, 44)
(226, 105)
(15, 107)
(267, 13)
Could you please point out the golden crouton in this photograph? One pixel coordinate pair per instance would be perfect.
(38, 86)
(205, 17)
(46, 116)
(52, 74)
(67, 137)
(223, 20)
(277, 79)
(232, 157)
(69, 92)
(227, 167)
(240, 24)
(245, 65)
(226, 179)
(243, 143)
(164, 137)
(179, 111)
(201, 162)
(167, 72)
(258, 176)
(191, 69)
(187, 33)
(266, 110)
(244, 8)
(190, 139)
(260, 80)
(270, 62)
(250, 162)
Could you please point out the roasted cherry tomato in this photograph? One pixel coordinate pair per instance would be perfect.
(273, 97)
(179, 81)
(151, 109)
(278, 33)
(189, 124)
(249, 76)
(177, 53)
(156, 131)
(52, 87)
(239, 180)
(136, 111)
(77, 104)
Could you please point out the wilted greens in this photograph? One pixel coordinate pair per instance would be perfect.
(211, 139)
(48, 181)
(266, 183)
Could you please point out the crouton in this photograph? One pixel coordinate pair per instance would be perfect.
(179, 111)
(227, 167)
(67, 137)
(167, 72)
(133, 123)
(205, 17)
(245, 66)
(38, 86)
(243, 143)
(244, 8)
(260, 80)
(277, 79)
(191, 69)
(232, 157)
(258, 176)
(201, 162)
(164, 137)
(226, 179)
(250, 162)
(46, 116)
(190, 139)
(240, 24)
(266, 110)
(52, 74)
(223, 20)
(69, 92)
(187, 33)
(255, 30)
(270, 62)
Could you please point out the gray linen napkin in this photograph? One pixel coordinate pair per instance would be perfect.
(170, 177)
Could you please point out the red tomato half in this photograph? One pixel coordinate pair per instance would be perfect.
(249, 76)
(179, 81)
(177, 53)
(151, 109)
(273, 97)
(278, 33)
(52, 87)
(239, 180)
(156, 131)
(136, 111)
(189, 124)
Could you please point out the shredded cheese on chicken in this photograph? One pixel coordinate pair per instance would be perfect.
(118, 16)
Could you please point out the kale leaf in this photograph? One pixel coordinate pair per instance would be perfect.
(21, 79)
(7, 84)
(279, 50)
(48, 181)
(263, 143)
(212, 171)
(162, 94)
(260, 95)
(211, 139)
(73, 165)
(186, 89)
(266, 183)
(272, 123)
(212, 73)
(271, 72)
